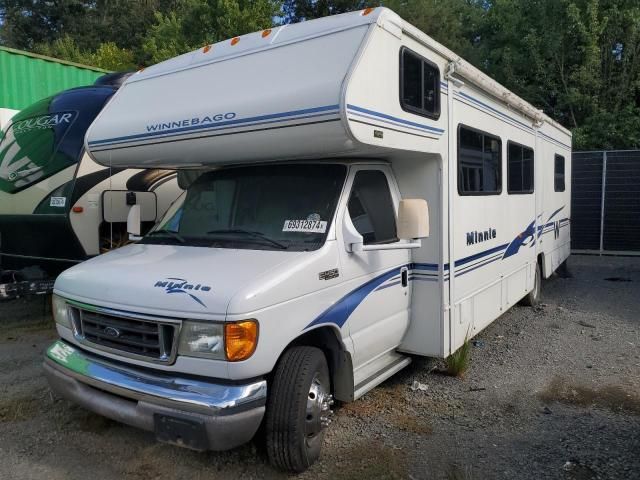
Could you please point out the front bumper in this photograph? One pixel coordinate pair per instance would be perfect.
(183, 411)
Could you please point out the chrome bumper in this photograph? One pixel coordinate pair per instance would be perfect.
(222, 416)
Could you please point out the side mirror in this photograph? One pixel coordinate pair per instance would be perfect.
(413, 219)
(133, 222)
(353, 241)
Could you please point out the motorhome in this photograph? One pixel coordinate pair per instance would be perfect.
(57, 206)
(357, 195)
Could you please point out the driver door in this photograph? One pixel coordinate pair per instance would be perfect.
(378, 279)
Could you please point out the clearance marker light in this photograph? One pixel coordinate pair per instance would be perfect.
(266, 33)
(367, 11)
(206, 48)
(234, 41)
(78, 209)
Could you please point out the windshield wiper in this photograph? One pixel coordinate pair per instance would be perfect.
(258, 235)
(168, 233)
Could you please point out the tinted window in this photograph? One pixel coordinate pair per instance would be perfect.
(419, 85)
(558, 185)
(371, 207)
(479, 162)
(519, 168)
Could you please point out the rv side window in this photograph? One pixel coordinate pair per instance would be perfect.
(479, 162)
(419, 85)
(371, 208)
(519, 168)
(558, 184)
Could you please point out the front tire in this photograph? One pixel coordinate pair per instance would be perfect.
(298, 409)
(533, 297)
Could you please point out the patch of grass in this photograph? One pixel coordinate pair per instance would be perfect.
(611, 397)
(371, 459)
(458, 362)
(412, 423)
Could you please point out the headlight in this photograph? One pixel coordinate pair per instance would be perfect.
(61, 311)
(233, 341)
(200, 339)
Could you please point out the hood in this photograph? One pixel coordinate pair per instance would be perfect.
(169, 280)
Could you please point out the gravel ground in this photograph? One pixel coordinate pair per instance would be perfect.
(552, 392)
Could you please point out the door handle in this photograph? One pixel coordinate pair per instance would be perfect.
(404, 275)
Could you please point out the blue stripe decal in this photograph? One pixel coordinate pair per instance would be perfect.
(471, 258)
(425, 266)
(340, 311)
(496, 258)
(100, 148)
(395, 119)
(497, 112)
(238, 122)
(369, 117)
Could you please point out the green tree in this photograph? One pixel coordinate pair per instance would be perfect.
(298, 10)
(200, 22)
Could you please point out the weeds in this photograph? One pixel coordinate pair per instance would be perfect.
(611, 397)
(458, 362)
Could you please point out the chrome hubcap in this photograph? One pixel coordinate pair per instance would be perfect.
(318, 414)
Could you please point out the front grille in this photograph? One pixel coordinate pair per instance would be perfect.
(147, 339)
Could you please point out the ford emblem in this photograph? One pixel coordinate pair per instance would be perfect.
(112, 332)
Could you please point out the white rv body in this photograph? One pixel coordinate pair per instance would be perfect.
(327, 92)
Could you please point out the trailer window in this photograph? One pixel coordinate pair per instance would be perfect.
(558, 184)
(479, 162)
(419, 85)
(371, 208)
(519, 168)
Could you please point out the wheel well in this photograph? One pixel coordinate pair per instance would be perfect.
(542, 266)
(338, 359)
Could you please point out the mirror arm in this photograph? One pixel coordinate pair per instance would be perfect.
(393, 246)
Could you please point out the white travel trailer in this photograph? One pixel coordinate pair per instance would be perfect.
(302, 265)
(57, 206)
(5, 117)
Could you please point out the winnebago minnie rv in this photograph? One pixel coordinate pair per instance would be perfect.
(302, 264)
(57, 206)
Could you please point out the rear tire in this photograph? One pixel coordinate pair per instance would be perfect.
(298, 409)
(533, 297)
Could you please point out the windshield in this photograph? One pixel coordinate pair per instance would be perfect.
(272, 207)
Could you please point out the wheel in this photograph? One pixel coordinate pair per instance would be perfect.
(533, 297)
(298, 409)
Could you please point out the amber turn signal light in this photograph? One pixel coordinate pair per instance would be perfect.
(240, 339)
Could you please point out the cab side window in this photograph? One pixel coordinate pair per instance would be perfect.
(371, 207)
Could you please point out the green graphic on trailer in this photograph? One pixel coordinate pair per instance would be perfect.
(30, 149)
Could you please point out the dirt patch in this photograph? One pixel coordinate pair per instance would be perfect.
(612, 397)
(371, 460)
(24, 407)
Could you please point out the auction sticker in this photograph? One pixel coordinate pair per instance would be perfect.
(308, 226)
(58, 201)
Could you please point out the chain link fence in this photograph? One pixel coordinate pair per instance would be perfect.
(605, 202)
